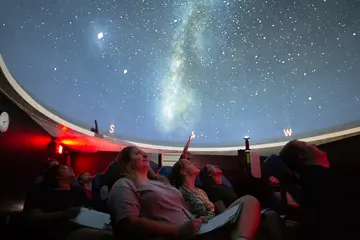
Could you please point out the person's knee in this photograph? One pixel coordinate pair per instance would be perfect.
(274, 225)
(250, 200)
(270, 214)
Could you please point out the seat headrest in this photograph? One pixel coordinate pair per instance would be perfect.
(154, 166)
(165, 171)
(225, 181)
(277, 167)
(75, 183)
(98, 180)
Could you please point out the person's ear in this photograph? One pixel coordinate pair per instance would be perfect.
(183, 172)
(301, 155)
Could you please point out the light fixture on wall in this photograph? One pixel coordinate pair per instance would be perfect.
(60, 149)
(54, 149)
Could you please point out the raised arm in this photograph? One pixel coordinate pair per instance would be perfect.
(191, 137)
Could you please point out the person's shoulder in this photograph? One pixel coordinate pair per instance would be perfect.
(224, 187)
(213, 187)
(201, 191)
(124, 183)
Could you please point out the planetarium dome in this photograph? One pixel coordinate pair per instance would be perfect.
(152, 72)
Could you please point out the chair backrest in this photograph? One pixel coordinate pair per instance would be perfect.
(154, 166)
(225, 181)
(288, 180)
(111, 173)
(75, 183)
(277, 168)
(98, 181)
(165, 171)
(97, 184)
(255, 165)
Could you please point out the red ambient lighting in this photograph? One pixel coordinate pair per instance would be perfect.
(60, 149)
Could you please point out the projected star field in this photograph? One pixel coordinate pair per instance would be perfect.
(153, 71)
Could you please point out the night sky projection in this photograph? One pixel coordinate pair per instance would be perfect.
(157, 70)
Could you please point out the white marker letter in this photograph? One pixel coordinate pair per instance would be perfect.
(112, 128)
(288, 132)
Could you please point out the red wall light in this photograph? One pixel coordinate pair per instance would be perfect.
(60, 149)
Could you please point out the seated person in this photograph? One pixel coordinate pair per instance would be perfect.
(197, 201)
(85, 181)
(58, 192)
(220, 194)
(141, 206)
(56, 202)
(312, 167)
(183, 177)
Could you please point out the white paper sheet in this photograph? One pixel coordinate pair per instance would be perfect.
(92, 219)
(219, 220)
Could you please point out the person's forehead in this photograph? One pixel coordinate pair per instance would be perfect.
(137, 150)
(185, 160)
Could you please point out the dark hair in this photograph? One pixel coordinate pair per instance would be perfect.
(176, 178)
(293, 153)
(205, 178)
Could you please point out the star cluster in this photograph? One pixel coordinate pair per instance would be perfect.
(157, 70)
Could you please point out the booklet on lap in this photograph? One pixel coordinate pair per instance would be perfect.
(92, 219)
(229, 216)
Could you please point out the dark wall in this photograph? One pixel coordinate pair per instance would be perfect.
(91, 162)
(23, 154)
(344, 155)
(344, 158)
(94, 163)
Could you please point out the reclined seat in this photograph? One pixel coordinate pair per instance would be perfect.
(99, 193)
(288, 180)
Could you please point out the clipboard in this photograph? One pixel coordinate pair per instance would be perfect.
(227, 217)
(92, 219)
